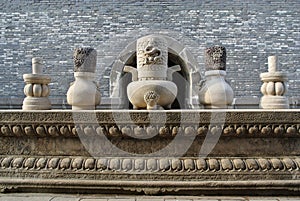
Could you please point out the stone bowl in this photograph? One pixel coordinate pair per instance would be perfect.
(137, 90)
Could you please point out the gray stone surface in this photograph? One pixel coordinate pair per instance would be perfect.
(93, 199)
(215, 58)
(250, 31)
(65, 197)
(85, 60)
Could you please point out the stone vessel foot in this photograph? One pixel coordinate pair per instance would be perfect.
(151, 98)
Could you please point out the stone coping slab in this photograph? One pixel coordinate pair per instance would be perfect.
(103, 197)
(164, 123)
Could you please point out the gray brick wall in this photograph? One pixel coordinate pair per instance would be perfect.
(250, 30)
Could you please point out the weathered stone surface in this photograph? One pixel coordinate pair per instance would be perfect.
(152, 57)
(58, 129)
(85, 60)
(43, 146)
(215, 58)
(214, 173)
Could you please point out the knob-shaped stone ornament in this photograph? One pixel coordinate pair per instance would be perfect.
(279, 88)
(37, 90)
(28, 90)
(270, 88)
(45, 90)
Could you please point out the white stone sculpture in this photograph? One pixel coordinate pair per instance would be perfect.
(36, 88)
(84, 93)
(215, 92)
(152, 86)
(273, 87)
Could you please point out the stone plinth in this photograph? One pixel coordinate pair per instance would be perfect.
(240, 152)
(274, 87)
(36, 88)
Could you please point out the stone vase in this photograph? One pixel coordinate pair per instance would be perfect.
(84, 93)
(215, 92)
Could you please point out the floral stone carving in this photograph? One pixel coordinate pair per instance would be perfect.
(84, 93)
(36, 88)
(274, 87)
(152, 85)
(215, 92)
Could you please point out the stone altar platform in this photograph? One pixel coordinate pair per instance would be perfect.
(184, 152)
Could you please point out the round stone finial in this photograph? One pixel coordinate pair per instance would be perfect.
(215, 58)
(37, 65)
(85, 60)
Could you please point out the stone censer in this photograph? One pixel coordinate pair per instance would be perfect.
(152, 86)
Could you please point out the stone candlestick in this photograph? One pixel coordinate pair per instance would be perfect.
(215, 92)
(36, 88)
(273, 87)
(84, 93)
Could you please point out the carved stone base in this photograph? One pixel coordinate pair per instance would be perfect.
(150, 175)
(274, 102)
(246, 152)
(36, 103)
